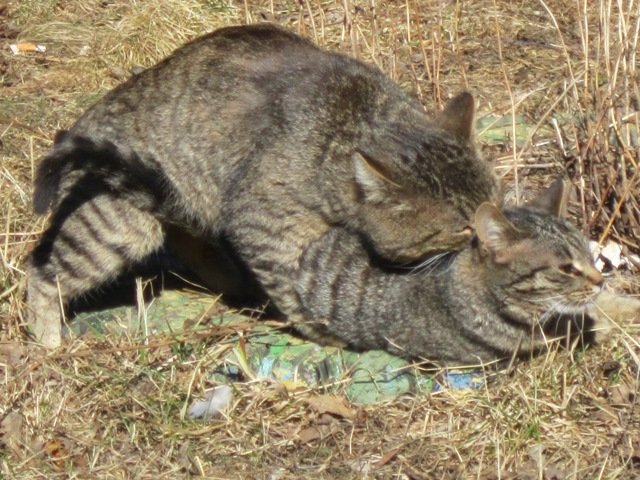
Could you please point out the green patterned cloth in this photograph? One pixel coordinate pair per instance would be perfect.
(267, 352)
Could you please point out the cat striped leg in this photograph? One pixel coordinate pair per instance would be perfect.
(84, 247)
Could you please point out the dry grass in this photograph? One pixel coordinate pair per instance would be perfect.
(566, 76)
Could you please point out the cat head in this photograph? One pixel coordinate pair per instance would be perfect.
(408, 227)
(536, 261)
(419, 185)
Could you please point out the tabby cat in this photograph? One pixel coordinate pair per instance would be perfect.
(526, 270)
(254, 134)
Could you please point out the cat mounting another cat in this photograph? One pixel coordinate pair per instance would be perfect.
(313, 167)
(257, 135)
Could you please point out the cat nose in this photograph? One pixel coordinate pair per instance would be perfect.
(594, 276)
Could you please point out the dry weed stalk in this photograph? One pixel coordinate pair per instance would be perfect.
(606, 139)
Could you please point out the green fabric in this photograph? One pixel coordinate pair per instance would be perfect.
(268, 352)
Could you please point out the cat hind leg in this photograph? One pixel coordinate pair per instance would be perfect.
(83, 248)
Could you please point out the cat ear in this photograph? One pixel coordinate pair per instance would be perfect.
(372, 177)
(495, 232)
(457, 116)
(554, 198)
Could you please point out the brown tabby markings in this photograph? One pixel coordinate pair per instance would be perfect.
(256, 135)
(526, 270)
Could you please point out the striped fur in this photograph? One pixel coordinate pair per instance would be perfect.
(506, 295)
(255, 135)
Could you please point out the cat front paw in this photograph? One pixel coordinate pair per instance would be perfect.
(611, 311)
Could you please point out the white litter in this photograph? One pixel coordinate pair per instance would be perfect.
(611, 253)
(20, 48)
(218, 399)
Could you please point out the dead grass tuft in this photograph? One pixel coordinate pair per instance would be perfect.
(605, 98)
(557, 86)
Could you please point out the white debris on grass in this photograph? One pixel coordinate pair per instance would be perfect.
(25, 47)
(611, 252)
(218, 399)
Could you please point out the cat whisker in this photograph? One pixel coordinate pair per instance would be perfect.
(553, 297)
(560, 304)
(432, 263)
(549, 305)
(546, 316)
(412, 266)
(570, 308)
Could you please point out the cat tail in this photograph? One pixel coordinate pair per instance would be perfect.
(82, 164)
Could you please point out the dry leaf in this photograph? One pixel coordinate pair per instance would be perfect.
(310, 434)
(536, 454)
(635, 457)
(11, 432)
(57, 451)
(187, 461)
(606, 415)
(332, 405)
(621, 394)
(11, 353)
(293, 385)
(412, 473)
(554, 472)
(118, 73)
(611, 367)
(387, 457)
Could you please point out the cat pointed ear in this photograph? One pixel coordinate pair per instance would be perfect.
(495, 232)
(457, 116)
(372, 177)
(554, 198)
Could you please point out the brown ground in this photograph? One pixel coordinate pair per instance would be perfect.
(115, 409)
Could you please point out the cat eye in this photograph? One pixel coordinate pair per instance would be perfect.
(570, 269)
